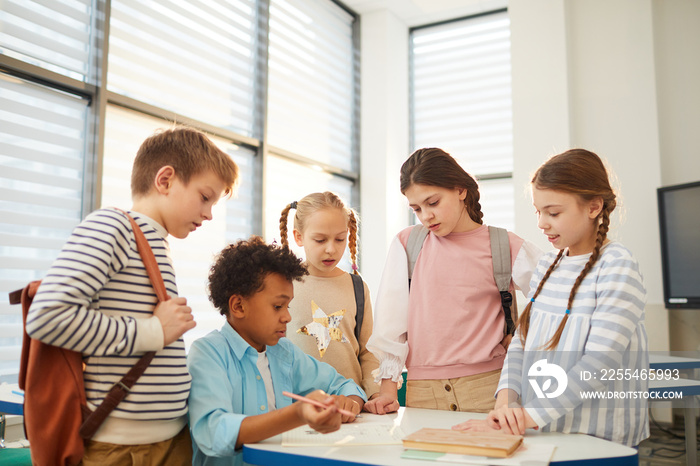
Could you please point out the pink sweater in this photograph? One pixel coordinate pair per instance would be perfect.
(453, 322)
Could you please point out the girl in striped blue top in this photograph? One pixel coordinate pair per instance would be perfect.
(578, 362)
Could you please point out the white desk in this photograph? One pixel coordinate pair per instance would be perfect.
(11, 403)
(572, 449)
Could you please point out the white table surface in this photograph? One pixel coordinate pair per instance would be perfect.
(10, 403)
(570, 447)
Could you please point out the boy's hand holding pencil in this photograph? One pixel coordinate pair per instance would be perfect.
(349, 408)
(322, 404)
(318, 410)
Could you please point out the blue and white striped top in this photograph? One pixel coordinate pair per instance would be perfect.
(605, 332)
(97, 299)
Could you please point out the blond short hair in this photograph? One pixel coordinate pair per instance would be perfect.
(189, 151)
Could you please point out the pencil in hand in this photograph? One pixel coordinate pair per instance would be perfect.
(316, 403)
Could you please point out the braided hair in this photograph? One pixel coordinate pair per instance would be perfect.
(582, 173)
(313, 203)
(435, 167)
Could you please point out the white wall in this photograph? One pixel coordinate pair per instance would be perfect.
(584, 76)
(384, 145)
(677, 44)
(541, 122)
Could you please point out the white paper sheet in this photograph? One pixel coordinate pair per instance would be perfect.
(357, 433)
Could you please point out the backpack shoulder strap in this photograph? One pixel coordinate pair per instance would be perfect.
(413, 246)
(500, 255)
(359, 288)
(24, 297)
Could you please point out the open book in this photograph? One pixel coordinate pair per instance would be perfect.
(466, 443)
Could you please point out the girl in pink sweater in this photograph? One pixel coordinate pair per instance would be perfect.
(448, 330)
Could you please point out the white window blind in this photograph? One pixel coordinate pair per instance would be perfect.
(196, 58)
(202, 60)
(311, 95)
(461, 102)
(42, 154)
(53, 35)
(497, 199)
(192, 257)
(462, 91)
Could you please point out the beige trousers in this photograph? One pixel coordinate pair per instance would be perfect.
(474, 393)
(175, 451)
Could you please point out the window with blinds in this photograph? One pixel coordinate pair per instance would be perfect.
(53, 35)
(169, 61)
(196, 59)
(461, 102)
(312, 104)
(42, 155)
(311, 90)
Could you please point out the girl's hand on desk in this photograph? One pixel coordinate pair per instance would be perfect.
(509, 420)
(476, 425)
(512, 419)
(382, 404)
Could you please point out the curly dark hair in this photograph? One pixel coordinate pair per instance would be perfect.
(240, 268)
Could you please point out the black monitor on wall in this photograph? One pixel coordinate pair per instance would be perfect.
(679, 220)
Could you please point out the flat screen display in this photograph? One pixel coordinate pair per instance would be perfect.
(679, 220)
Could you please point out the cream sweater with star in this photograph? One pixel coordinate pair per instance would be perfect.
(332, 294)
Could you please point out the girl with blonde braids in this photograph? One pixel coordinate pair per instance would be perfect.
(324, 309)
(586, 316)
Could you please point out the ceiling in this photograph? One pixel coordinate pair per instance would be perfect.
(420, 12)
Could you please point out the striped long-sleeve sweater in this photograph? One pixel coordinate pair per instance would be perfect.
(602, 351)
(97, 299)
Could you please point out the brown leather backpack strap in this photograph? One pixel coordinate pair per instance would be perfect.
(122, 388)
(149, 260)
(24, 296)
(116, 394)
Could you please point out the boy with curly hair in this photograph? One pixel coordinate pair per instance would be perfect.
(240, 371)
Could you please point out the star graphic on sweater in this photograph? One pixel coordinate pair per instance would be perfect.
(324, 328)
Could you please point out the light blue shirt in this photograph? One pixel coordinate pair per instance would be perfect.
(227, 387)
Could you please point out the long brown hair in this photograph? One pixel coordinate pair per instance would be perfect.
(435, 167)
(582, 173)
(312, 203)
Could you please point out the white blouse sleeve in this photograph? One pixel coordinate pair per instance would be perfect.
(388, 340)
(524, 265)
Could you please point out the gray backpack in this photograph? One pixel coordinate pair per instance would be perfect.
(359, 290)
(500, 255)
